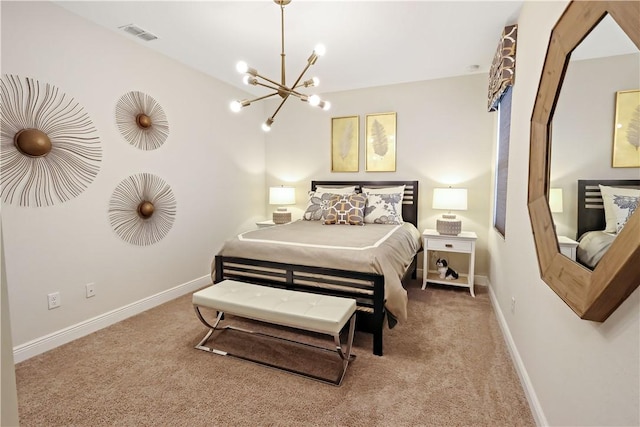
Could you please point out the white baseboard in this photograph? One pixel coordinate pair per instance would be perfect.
(48, 342)
(532, 397)
(480, 280)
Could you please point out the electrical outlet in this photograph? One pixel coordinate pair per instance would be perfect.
(513, 304)
(54, 300)
(90, 289)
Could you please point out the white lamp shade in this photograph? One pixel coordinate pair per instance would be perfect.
(452, 199)
(555, 200)
(282, 196)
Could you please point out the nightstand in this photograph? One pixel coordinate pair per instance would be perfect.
(267, 223)
(264, 224)
(465, 243)
(568, 247)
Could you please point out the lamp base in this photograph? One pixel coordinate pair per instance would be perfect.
(281, 216)
(450, 227)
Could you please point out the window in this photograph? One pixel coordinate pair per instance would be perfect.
(502, 162)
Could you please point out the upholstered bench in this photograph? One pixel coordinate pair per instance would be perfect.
(322, 314)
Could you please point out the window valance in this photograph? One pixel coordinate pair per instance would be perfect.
(503, 69)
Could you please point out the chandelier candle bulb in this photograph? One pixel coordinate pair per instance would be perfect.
(242, 67)
(266, 126)
(235, 106)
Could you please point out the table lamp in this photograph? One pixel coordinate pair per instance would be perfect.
(555, 200)
(449, 199)
(282, 196)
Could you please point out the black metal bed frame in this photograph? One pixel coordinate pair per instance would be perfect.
(366, 288)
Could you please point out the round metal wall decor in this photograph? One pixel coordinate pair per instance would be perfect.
(142, 209)
(141, 121)
(49, 148)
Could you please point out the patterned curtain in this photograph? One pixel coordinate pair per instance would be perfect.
(503, 70)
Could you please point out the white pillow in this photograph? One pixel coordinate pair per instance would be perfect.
(619, 204)
(384, 190)
(383, 209)
(336, 190)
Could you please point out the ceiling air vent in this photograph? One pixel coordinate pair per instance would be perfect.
(138, 32)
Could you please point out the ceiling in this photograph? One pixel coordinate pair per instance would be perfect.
(369, 43)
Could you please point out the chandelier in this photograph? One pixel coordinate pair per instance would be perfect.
(252, 77)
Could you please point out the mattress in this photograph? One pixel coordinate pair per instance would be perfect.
(372, 248)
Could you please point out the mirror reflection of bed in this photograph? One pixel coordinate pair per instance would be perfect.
(605, 62)
(598, 224)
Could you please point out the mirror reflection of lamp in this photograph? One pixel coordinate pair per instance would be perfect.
(555, 200)
(451, 199)
(282, 196)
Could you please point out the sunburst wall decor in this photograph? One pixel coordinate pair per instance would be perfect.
(141, 121)
(49, 148)
(142, 209)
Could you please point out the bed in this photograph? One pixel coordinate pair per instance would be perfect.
(353, 267)
(594, 233)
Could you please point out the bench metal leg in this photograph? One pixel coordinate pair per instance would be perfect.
(345, 355)
(212, 328)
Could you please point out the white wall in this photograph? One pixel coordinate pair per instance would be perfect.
(213, 161)
(8, 394)
(444, 137)
(582, 373)
(584, 118)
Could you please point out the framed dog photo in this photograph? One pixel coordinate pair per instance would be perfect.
(345, 137)
(381, 142)
(626, 133)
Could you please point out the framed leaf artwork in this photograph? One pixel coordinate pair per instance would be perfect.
(626, 133)
(345, 136)
(381, 142)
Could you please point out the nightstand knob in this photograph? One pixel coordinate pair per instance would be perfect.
(448, 245)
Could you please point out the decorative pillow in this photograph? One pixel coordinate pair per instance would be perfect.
(383, 209)
(317, 206)
(619, 205)
(346, 209)
(384, 190)
(336, 190)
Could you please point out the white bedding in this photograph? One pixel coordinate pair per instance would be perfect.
(592, 246)
(371, 248)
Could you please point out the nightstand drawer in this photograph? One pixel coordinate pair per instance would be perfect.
(448, 245)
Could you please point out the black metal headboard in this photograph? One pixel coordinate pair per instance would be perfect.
(590, 207)
(409, 201)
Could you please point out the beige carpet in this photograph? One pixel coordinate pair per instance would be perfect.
(448, 366)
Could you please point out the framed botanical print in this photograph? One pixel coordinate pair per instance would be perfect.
(345, 136)
(626, 133)
(381, 142)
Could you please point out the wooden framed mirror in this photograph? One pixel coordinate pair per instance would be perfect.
(591, 294)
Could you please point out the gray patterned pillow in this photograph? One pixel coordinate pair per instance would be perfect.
(318, 206)
(384, 209)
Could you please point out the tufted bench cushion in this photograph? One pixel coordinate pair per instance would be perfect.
(312, 312)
